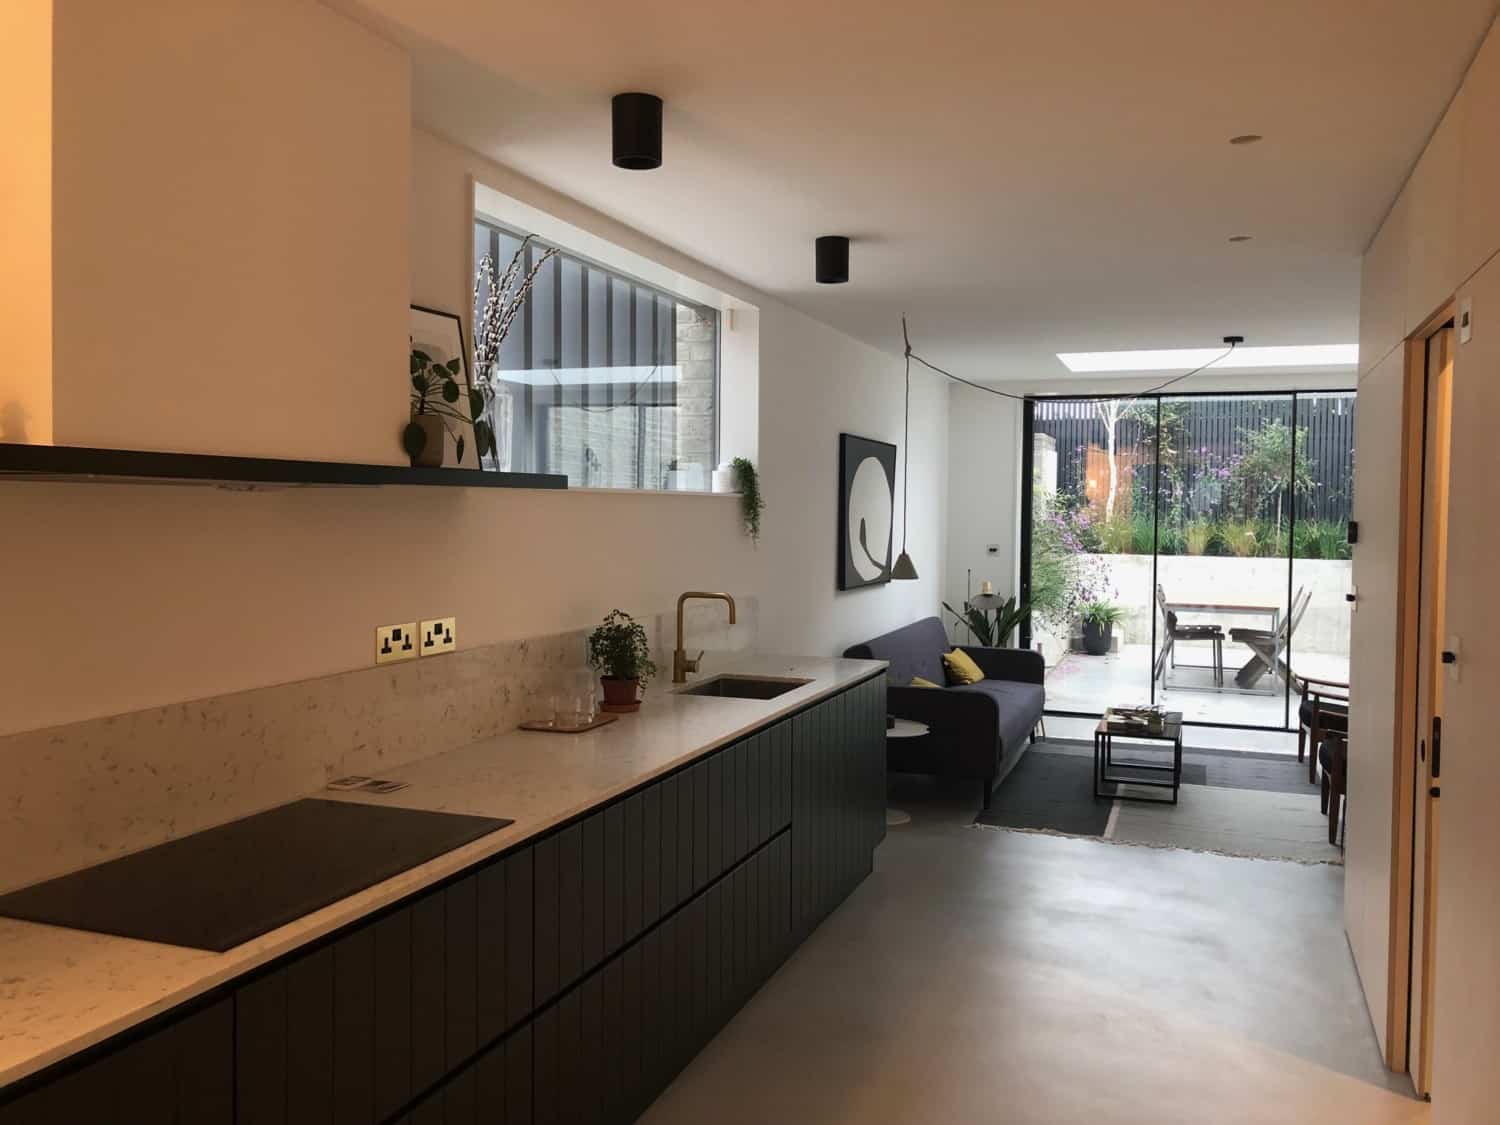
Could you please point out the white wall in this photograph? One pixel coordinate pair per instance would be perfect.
(134, 596)
(816, 384)
(1373, 681)
(26, 221)
(1440, 238)
(984, 477)
(230, 185)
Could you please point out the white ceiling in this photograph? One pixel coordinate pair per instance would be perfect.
(1019, 178)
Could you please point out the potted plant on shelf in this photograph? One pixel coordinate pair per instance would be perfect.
(498, 300)
(620, 651)
(1099, 626)
(435, 392)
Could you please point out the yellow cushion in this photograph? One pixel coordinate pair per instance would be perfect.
(961, 667)
(918, 681)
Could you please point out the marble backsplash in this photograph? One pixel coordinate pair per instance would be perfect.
(86, 792)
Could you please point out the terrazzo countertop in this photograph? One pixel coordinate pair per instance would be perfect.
(64, 990)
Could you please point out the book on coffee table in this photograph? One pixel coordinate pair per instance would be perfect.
(1141, 720)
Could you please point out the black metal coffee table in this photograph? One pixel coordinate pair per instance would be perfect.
(1142, 774)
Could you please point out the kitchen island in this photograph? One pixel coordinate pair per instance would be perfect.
(564, 967)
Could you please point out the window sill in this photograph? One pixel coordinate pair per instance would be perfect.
(693, 492)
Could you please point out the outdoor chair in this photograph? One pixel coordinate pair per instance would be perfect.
(1269, 646)
(1174, 631)
(1324, 709)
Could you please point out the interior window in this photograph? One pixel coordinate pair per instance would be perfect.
(605, 379)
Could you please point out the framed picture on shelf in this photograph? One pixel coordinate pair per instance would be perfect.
(867, 505)
(440, 336)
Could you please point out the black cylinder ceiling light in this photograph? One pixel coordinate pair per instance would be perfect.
(832, 251)
(637, 131)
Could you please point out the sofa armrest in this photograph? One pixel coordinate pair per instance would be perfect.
(1019, 664)
(954, 714)
(964, 736)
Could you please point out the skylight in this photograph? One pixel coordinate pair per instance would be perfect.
(1185, 359)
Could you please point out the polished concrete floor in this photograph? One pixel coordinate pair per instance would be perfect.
(990, 976)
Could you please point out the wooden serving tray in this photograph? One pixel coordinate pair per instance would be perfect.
(551, 727)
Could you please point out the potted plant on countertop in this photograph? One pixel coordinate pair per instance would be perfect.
(1099, 619)
(621, 652)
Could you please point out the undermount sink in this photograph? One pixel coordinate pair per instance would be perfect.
(744, 687)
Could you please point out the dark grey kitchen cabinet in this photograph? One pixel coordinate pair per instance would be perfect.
(352, 1032)
(838, 788)
(179, 1074)
(568, 980)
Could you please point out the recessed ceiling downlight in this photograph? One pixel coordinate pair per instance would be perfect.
(1246, 139)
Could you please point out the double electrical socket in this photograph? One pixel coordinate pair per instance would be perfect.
(408, 640)
(396, 642)
(438, 636)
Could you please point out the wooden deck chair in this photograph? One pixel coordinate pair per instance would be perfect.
(1173, 631)
(1268, 647)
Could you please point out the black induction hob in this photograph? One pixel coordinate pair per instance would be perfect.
(221, 887)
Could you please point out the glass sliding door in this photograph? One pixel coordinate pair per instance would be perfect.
(1213, 526)
(1321, 566)
(1225, 516)
(1093, 526)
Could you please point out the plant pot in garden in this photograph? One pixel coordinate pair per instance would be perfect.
(423, 441)
(620, 696)
(1098, 639)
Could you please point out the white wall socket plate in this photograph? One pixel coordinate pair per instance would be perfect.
(396, 642)
(438, 636)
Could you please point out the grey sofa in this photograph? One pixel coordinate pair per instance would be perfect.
(978, 731)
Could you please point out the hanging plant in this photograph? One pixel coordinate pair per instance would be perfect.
(751, 502)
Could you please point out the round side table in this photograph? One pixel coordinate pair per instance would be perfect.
(903, 728)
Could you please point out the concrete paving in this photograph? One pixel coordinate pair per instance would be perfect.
(990, 976)
(1081, 682)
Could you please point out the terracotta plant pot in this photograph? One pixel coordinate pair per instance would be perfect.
(620, 696)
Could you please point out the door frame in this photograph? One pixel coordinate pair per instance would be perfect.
(1399, 1030)
(1028, 468)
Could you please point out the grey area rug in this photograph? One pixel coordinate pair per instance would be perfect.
(1258, 805)
(1223, 769)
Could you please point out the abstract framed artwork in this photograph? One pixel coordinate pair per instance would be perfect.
(867, 506)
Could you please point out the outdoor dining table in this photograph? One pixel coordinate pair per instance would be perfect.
(1272, 613)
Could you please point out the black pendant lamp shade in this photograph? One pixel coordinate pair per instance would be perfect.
(833, 259)
(637, 131)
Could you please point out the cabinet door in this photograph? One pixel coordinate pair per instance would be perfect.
(181, 1074)
(495, 1089)
(348, 1033)
(837, 756)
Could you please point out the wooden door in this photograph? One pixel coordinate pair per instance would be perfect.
(1466, 1005)
(1430, 682)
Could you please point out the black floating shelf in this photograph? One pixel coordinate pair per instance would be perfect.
(77, 463)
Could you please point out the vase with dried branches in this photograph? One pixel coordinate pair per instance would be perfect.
(504, 296)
